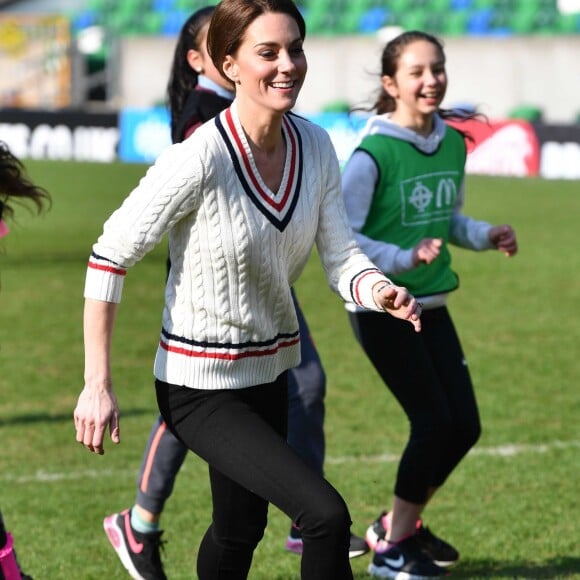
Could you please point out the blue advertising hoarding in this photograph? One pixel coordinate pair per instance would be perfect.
(144, 134)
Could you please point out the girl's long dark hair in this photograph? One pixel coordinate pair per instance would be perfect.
(15, 184)
(182, 78)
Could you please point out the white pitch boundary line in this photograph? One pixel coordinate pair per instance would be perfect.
(509, 450)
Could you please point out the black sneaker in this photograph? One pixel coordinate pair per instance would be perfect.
(358, 546)
(442, 553)
(404, 561)
(138, 552)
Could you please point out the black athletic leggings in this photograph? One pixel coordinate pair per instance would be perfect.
(428, 375)
(241, 433)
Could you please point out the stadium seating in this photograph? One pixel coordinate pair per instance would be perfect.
(339, 17)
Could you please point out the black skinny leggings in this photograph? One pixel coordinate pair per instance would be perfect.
(241, 433)
(428, 375)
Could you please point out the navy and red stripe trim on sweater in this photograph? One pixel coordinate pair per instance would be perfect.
(276, 207)
(228, 351)
(97, 262)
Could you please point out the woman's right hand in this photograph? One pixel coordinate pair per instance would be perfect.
(96, 410)
(397, 301)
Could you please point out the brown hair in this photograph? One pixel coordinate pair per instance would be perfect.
(15, 184)
(231, 19)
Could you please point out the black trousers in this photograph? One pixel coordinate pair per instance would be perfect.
(428, 375)
(241, 433)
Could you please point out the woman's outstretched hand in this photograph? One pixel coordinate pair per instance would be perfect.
(397, 301)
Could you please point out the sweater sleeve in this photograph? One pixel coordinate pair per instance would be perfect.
(466, 232)
(348, 270)
(359, 181)
(167, 193)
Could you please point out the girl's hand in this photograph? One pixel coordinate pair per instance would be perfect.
(504, 239)
(426, 250)
(96, 410)
(397, 301)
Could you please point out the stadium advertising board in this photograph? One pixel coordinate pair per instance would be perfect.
(60, 135)
(514, 148)
(507, 148)
(560, 151)
(343, 129)
(144, 134)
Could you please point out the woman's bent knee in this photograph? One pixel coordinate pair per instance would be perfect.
(330, 519)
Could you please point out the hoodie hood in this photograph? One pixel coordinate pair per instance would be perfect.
(382, 125)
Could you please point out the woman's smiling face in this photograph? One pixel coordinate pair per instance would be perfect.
(269, 66)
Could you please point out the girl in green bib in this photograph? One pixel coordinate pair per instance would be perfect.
(404, 190)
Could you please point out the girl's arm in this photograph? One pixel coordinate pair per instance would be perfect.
(471, 234)
(466, 232)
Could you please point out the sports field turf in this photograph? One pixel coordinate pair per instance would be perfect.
(512, 506)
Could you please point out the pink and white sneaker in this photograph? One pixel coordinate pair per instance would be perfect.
(139, 553)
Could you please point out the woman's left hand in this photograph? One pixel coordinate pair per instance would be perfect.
(397, 301)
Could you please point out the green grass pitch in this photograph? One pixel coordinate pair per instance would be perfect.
(511, 507)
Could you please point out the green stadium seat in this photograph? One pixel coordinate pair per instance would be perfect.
(523, 22)
(440, 5)
(434, 22)
(336, 107)
(569, 24)
(530, 113)
(511, 5)
(397, 6)
(349, 23)
(415, 20)
(130, 8)
(152, 22)
(97, 5)
(455, 24)
(547, 20)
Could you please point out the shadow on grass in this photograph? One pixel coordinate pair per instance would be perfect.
(33, 418)
(561, 567)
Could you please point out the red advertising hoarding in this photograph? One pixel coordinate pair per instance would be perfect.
(507, 148)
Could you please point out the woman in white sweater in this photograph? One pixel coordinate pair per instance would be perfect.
(243, 200)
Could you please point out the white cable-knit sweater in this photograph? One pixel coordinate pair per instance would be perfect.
(235, 249)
